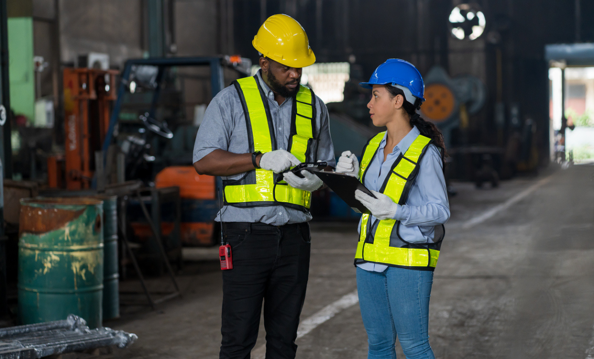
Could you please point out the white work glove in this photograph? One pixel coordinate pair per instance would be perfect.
(381, 207)
(278, 161)
(348, 164)
(309, 183)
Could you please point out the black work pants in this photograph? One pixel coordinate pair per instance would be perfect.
(270, 265)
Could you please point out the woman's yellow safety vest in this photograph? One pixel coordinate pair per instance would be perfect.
(261, 187)
(386, 246)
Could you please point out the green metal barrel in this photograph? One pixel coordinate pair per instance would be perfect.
(61, 259)
(111, 295)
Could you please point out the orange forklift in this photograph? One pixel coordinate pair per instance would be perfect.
(144, 116)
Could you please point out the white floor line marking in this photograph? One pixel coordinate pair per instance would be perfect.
(590, 351)
(510, 202)
(315, 320)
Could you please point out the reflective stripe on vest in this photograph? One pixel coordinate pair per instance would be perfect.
(397, 186)
(261, 187)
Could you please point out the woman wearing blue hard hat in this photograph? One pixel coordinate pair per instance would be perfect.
(400, 240)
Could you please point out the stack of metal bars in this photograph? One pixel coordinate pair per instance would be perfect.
(63, 336)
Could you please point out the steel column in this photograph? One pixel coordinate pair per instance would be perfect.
(156, 29)
(5, 149)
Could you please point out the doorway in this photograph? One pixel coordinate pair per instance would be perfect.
(571, 102)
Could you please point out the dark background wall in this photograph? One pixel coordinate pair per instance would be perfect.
(366, 33)
(417, 30)
(107, 26)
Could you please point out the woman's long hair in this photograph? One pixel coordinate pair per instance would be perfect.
(426, 128)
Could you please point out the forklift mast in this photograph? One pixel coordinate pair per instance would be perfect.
(88, 94)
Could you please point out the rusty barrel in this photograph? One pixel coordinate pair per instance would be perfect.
(60, 259)
(111, 296)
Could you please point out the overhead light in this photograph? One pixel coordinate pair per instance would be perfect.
(476, 32)
(456, 16)
(482, 20)
(467, 21)
(458, 33)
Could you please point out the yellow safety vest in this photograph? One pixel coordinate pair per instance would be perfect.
(386, 246)
(261, 187)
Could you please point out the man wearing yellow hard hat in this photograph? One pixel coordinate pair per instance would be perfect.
(253, 134)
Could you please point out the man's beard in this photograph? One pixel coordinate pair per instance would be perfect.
(280, 89)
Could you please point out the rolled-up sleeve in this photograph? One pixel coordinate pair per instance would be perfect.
(433, 194)
(325, 146)
(215, 131)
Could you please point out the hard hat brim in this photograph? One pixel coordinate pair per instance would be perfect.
(309, 60)
(407, 94)
(368, 85)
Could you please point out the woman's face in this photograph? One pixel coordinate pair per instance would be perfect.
(382, 106)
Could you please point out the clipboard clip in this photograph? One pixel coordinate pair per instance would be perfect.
(297, 169)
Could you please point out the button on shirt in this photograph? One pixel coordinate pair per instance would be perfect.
(427, 204)
(224, 127)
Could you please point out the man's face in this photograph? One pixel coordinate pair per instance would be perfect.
(282, 79)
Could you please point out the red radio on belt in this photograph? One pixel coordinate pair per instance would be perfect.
(225, 257)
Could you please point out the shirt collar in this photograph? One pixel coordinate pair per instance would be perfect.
(269, 93)
(405, 143)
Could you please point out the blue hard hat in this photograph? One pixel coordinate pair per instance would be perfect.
(400, 74)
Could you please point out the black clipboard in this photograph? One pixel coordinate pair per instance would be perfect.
(344, 186)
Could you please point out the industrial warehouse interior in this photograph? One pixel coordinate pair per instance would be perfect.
(316, 179)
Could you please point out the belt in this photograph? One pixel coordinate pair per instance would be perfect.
(261, 226)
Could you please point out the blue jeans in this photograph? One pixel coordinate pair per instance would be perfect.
(396, 303)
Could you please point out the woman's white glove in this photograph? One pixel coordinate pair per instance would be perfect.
(348, 164)
(278, 161)
(309, 182)
(381, 207)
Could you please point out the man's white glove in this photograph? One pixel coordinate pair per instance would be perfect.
(309, 182)
(381, 207)
(348, 164)
(278, 161)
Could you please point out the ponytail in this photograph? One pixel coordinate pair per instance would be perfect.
(426, 128)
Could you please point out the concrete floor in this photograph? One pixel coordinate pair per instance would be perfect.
(518, 285)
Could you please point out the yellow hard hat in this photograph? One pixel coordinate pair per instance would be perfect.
(282, 39)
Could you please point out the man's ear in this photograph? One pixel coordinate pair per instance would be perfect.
(264, 63)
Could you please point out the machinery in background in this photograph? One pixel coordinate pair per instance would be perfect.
(88, 96)
(159, 107)
(198, 203)
(450, 101)
(449, 104)
(151, 102)
(198, 208)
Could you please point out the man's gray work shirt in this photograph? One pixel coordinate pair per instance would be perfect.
(224, 127)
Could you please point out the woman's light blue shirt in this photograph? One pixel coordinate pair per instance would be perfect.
(427, 204)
